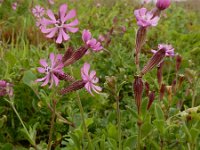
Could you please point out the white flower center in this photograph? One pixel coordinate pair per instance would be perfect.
(59, 24)
(48, 69)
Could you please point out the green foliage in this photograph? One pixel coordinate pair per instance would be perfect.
(164, 126)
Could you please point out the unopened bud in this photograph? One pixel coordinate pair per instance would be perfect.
(159, 73)
(155, 60)
(151, 99)
(162, 91)
(140, 40)
(178, 62)
(169, 93)
(67, 54)
(163, 4)
(138, 89)
(73, 87)
(76, 56)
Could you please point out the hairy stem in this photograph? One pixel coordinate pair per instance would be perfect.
(25, 129)
(139, 138)
(83, 120)
(119, 123)
(52, 125)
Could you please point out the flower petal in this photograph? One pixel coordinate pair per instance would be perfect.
(62, 12)
(46, 80)
(59, 38)
(43, 62)
(88, 88)
(52, 32)
(41, 70)
(71, 14)
(51, 15)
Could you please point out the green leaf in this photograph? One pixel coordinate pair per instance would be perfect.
(112, 131)
(130, 142)
(89, 121)
(194, 133)
(28, 78)
(160, 125)
(158, 112)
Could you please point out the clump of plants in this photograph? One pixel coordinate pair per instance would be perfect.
(150, 112)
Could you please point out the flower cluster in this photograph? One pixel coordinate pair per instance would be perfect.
(57, 26)
(146, 19)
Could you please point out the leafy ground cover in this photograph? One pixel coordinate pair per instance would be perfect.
(109, 120)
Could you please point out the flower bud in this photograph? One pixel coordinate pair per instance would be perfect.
(169, 93)
(140, 40)
(159, 73)
(151, 99)
(67, 54)
(73, 87)
(138, 89)
(178, 62)
(181, 78)
(155, 60)
(64, 76)
(162, 91)
(76, 56)
(162, 4)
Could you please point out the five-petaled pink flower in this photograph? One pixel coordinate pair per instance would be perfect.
(169, 49)
(90, 79)
(91, 42)
(38, 11)
(145, 18)
(57, 27)
(50, 70)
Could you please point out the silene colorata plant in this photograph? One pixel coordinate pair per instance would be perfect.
(153, 102)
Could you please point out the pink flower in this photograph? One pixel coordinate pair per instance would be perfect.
(90, 79)
(6, 88)
(90, 41)
(162, 4)
(57, 27)
(50, 70)
(145, 18)
(51, 2)
(38, 11)
(169, 50)
(14, 5)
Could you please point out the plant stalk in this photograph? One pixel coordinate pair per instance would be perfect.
(139, 138)
(52, 125)
(119, 123)
(31, 140)
(83, 120)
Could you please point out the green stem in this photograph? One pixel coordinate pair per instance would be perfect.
(82, 115)
(119, 123)
(25, 129)
(83, 119)
(139, 137)
(52, 125)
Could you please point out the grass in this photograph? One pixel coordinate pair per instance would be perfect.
(22, 46)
